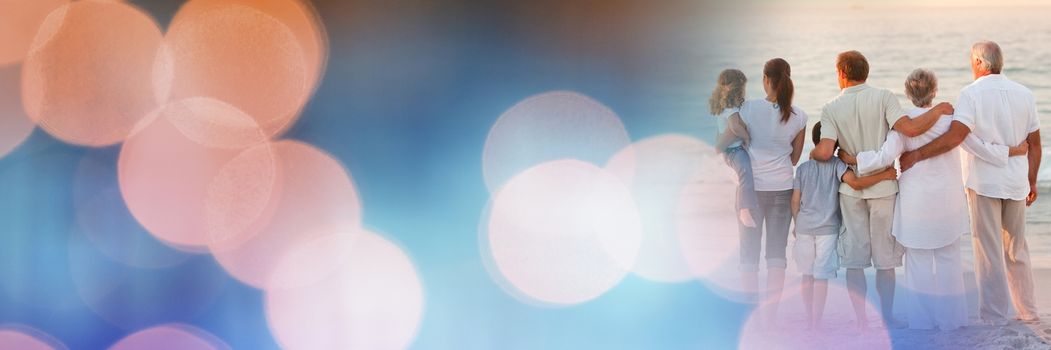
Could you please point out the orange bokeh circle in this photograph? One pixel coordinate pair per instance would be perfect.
(88, 76)
(243, 56)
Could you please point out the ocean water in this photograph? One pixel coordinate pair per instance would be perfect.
(895, 40)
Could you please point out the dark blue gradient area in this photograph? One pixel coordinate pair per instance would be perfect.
(410, 92)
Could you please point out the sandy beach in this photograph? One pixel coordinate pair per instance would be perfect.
(839, 331)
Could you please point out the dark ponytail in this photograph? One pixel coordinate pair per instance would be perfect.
(780, 75)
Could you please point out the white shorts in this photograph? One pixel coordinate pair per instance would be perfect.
(817, 255)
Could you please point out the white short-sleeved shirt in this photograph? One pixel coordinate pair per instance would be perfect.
(771, 145)
(859, 118)
(722, 121)
(999, 111)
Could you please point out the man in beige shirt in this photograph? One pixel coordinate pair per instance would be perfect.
(859, 119)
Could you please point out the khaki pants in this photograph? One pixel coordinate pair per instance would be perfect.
(867, 240)
(1001, 257)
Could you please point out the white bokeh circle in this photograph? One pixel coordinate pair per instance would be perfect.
(350, 289)
(550, 126)
(563, 232)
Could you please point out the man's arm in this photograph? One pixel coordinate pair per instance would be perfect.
(863, 182)
(824, 149)
(871, 161)
(797, 146)
(949, 140)
(1035, 152)
(913, 127)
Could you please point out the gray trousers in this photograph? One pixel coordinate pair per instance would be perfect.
(775, 213)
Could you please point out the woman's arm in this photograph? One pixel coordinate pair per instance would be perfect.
(739, 128)
(797, 146)
(863, 182)
(796, 198)
(992, 153)
(871, 161)
(735, 130)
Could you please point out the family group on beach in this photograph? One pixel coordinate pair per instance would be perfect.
(853, 210)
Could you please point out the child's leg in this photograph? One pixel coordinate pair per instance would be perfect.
(826, 264)
(747, 202)
(807, 289)
(820, 295)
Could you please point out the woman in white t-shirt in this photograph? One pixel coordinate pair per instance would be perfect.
(776, 130)
(931, 211)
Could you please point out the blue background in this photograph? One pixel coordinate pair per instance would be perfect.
(409, 94)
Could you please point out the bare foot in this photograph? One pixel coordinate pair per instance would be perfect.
(862, 326)
(746, 218)
(1028, 319)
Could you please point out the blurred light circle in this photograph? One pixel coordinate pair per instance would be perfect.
(547, 127)
(706, 226)
(657, 170)
(362, 293)
(21, 337)
(105, 220)
(316, 192)
(19, 22)
(168, 167)
(87, 79)
(839, 330)
(171, 337)
(15, 125)
(131, 298)
(563, 232)
(243, 56)
(299, 15)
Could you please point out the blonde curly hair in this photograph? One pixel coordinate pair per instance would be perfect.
(729, 91)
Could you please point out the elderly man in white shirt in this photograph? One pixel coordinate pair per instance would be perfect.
(1000, 111)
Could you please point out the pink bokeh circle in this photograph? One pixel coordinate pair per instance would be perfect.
(562, 232)
(104, 219)
(167, 171)
(315, 192)
(706, 223)
(658, 170)
(171, 337)
(350, 289)
(837, 330)
(21, 337)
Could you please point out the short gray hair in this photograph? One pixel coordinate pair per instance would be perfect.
(990, 54)
(920, 86)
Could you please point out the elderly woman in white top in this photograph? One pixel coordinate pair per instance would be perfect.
(931, 212)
